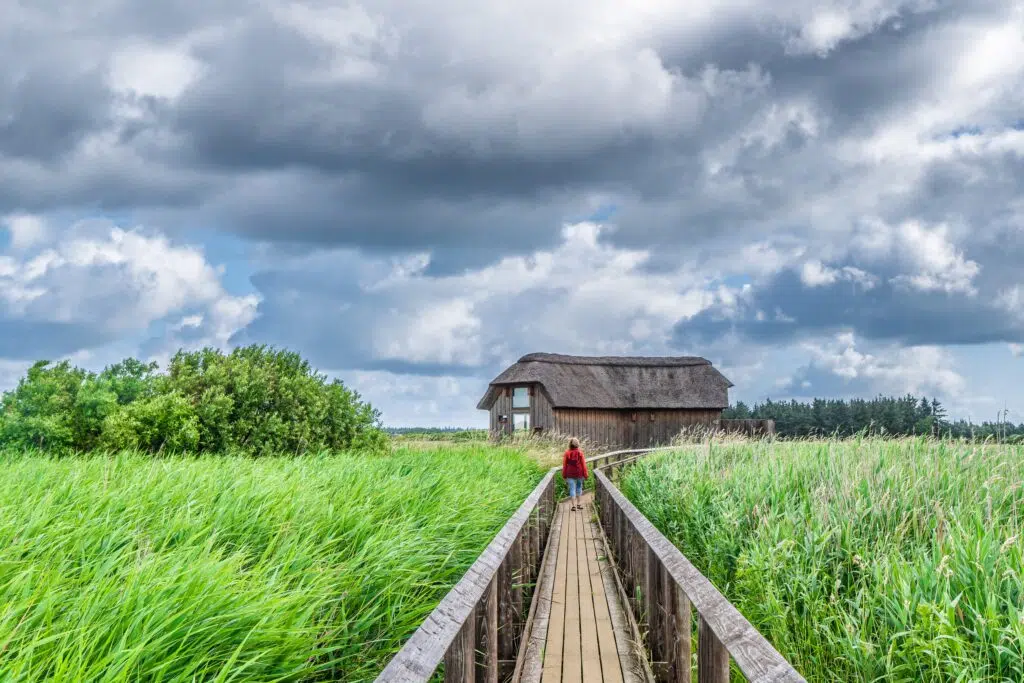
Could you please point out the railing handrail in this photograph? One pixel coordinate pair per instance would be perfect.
(421, 655)
(630, 451)
(754, 655)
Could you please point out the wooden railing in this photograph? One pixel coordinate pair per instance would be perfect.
(663, 587)
(617, 457)
(477, 628)
(755, 428)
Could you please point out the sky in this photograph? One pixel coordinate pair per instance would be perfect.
(823, 198)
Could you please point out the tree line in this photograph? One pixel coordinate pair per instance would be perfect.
(893, 416)
(254, 400)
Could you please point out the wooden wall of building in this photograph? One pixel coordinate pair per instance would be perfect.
(630, 429)
(622, 428)
(541, 414)
(502, 406)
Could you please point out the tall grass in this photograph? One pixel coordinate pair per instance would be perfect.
(860, 560)
(130, 568)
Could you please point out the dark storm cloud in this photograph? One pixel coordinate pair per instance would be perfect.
(474, 134)
(361, 166)
(317, 210)
(792, 311)
(47, 110)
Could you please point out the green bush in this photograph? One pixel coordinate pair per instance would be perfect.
(253, 400)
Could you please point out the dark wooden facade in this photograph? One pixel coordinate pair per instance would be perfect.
(630, 402)
(628, 428)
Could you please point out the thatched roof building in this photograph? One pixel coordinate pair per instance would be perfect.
(622, 400)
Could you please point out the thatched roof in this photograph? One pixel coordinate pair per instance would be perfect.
(613, 382)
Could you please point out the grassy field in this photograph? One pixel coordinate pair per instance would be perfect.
(131, 568)
(859, 561)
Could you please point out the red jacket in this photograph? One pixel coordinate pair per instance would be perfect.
(574, 466)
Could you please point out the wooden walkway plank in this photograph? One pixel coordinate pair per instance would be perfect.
(533, 658)
(610, 666)
(572, 654)
(581, 644)
(552, 654)
(630, 657)
(589, 646)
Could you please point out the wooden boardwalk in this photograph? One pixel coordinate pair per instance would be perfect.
(577, 628)
(580, 633)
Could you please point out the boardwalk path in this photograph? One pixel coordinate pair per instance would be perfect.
(581, 634)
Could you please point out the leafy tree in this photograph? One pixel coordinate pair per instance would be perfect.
(131, 379)
(255, 400)
(42, 412)
(163, 422)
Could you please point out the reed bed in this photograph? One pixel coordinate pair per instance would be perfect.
(861, 560)
(130, 568)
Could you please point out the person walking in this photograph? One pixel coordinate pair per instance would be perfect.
(574, 471)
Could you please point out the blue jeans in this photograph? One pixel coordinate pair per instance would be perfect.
(575, 486)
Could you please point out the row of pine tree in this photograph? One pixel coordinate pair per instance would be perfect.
(903, 416)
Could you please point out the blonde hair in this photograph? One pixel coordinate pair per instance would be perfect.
(574, 442)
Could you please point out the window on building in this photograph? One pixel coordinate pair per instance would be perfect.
(521, 397)
(521, 421)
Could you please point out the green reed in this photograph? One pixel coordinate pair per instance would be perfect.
(861, 560)
(130, 568)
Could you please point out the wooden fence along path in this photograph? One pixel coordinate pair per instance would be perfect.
(558, 597)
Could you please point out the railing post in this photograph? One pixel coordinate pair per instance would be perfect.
(510, 603)
(527, 550)
(639, 567)
(459, 660)
(712, 657)
(620, 535)
(677, 639)
(544, 521)
(655, 623)
(646, 576)
(535, 547)
(519, 576)
(487, 637)
(627, 562)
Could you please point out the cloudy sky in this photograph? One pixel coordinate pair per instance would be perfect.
(824, 198)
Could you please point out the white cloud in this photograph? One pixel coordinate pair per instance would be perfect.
(11, 372)
(117, 280)
(1017, 350)
(567, 298)
(154, 70)
(26, 230)
(940, 265)
(1011, 300)
(916, 370)
(558, 100)
(447, 332)
(419, 401)
(824, 25)
(814, 273)
(926, 254)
